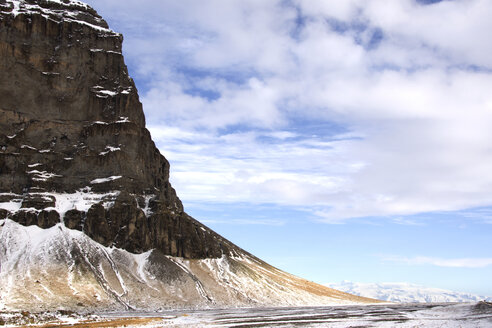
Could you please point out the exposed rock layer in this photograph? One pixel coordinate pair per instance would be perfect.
(88, 218)
(70, 119)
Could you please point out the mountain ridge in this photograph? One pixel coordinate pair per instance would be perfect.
(73, 124)
(401, 292)
(88, 217)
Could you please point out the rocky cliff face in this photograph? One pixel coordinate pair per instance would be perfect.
(88, 217)
(71, 123)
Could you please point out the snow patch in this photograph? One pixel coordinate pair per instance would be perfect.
(95, 27)
(69, 14)
(42, 175)
(28, 147)
(70, 2)
(141, 260)
(104, 93)
(50, 73)
(402, 292)
(16, 9)
(146, 209)
(12, 206)
(109, 149)
(81, 200)
(123, 119)
(103, 180)
(106, 51)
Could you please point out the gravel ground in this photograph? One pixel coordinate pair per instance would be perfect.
(449, 315)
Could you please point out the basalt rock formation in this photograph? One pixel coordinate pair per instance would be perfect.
(71, 121)
(88, 218)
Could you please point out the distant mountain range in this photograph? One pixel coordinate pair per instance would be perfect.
(402, 292)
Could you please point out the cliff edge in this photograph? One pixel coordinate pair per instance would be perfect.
(88, 218)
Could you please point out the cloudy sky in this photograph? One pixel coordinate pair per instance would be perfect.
(335, 139)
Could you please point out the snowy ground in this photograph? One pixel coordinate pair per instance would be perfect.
(449, 315)
(401, 315)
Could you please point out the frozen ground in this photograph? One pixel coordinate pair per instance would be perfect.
(449, 315)
(389, 315)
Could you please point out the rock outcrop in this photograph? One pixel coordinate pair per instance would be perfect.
(71, 122)
(88, 217)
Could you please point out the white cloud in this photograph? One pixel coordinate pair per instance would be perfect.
(482, 215)
(407, 222)
(239, 167)
(416, 101)
(449, 263)
(253, 104)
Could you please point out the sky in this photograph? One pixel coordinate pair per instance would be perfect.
(337, 140)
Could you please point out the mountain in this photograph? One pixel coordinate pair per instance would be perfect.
(88, 218)
(402, 292)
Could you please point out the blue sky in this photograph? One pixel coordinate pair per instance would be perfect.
(338, 140)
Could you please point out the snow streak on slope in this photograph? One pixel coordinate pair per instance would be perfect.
(80, 200)
(62, 13)
(405, 292)
(62, 268)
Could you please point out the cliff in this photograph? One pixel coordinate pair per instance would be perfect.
(71, 123)
(88, 218)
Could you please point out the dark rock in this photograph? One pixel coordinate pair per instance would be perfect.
(483, 306)
(26, 218)
(130, 225)
(44, 218)
(71, 119)
(7, 198)
(96, 226)
(47, 219)
(73, 219)
(38, 202)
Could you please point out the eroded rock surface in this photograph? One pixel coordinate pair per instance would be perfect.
(88, 218)
(71, 120)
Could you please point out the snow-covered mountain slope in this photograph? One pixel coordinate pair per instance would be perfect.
(88, 216)
(63, 268)
(405, 292)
